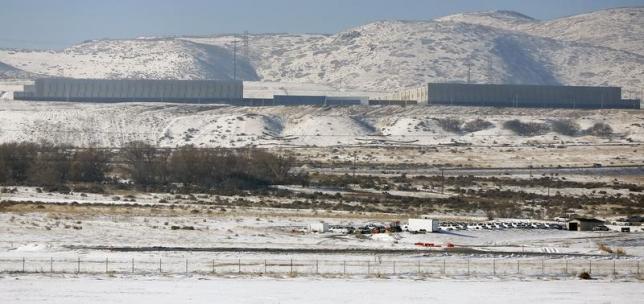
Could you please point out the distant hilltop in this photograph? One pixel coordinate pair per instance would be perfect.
(602, 48)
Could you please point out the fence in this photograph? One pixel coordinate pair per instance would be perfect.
(434, 267)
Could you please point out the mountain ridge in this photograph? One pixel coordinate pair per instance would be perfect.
(502, 46)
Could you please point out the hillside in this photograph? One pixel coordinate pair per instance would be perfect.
(171, 125)
(391, 55)
(9, 72)
(619, 28)
(138, 58)
(601, 48)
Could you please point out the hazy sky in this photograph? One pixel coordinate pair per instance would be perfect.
(60, 23)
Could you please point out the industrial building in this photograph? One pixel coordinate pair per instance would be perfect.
(109, 90)
(533, 96)
(231, 92)
(584, 224)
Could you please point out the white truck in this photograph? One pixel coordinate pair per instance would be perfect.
(319, 227)
(422, 226)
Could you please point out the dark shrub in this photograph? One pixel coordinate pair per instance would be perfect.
(599, 129)
(526, 128)
(450, 124)
(565, 127)
(477, 125)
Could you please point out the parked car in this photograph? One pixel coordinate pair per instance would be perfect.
(600, 228)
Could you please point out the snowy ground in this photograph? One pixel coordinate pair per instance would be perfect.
(303, 290)
(376, 129)
(56, 231)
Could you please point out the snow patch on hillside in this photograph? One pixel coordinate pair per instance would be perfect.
(138, 58)
(171, 125)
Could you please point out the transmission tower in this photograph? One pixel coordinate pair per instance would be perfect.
(245, 45)
(469, 72)
(490, 70)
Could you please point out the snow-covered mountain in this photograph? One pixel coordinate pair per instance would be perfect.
(9, 72)
(600, 48)
(619, 28)
(137, 58)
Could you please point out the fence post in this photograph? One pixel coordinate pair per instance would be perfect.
(317, 267)
(51, 264)
(638, 267)
(444, 270)
(78, 266)
(418, 271)
(614, 268)
(265, 268)
(590, 266)
(23, 264)
(238, 265)
(291, 266)
(160, 269)
(344, 267)
(494, 266)
(518, 267)
(368, 268)
(186, 266)
(468, 267)
(106, 265)
(566, 269)
(543, 266)
(394, 267)
(213, 265)
(132, 265)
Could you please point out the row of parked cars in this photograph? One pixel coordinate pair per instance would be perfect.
(450, 226)
(366, 229)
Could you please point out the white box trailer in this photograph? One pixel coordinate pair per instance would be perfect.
(319, 227)
(422, 225)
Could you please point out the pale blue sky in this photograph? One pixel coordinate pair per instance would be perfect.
(60, 23)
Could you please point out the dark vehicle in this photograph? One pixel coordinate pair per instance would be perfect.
(600, 228)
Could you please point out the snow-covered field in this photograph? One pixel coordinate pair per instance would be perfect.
(259, 290)
(89, 220)
(170, 125)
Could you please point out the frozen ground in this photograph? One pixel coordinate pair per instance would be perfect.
(65, 231)
(34, 289)
(169, 125)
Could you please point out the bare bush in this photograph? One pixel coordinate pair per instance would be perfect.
(477, 125)
(604, 248)
(599, 129)
(526, 128)
(450, 124)
(585, 276)
(565, 127)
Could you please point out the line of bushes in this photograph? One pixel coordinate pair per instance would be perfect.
(563, 127)
(145, 165)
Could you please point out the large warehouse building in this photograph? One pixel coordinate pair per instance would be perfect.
(539, 96)
(108, 90)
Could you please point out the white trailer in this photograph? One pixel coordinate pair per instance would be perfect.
(319, 227)
(422, 225)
